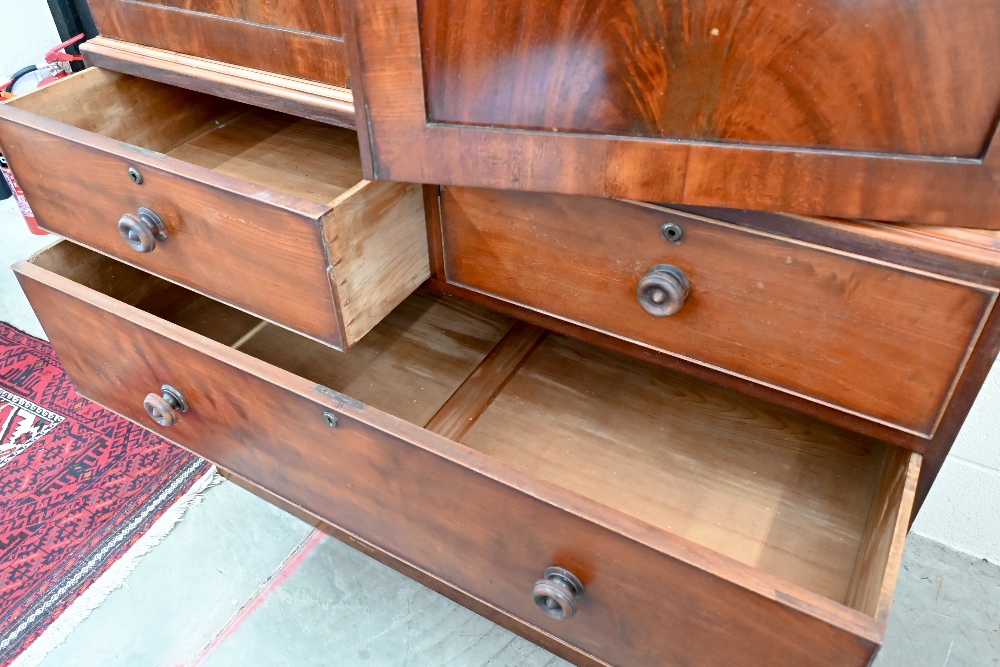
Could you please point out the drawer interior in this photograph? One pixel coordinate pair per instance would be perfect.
(305, 158)
(788, 495)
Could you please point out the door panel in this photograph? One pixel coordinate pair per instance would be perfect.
(780, 74)
(871, 109)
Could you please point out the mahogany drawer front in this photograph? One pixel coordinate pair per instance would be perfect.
(298, 38)
(868, 337)
(264, 211)
(489, 510)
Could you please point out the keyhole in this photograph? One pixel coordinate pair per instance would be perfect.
(672, 232)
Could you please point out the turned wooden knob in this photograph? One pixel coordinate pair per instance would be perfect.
(557, 593)
(661, 292)
(142, 231)
(163, 408)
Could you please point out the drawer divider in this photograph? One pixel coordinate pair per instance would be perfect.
(470, 400)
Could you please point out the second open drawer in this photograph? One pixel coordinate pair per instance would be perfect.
(704, 527)
(259, 209)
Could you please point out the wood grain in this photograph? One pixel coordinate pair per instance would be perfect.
(265, 211)
(963, 254)
(548, 642)
(300, 157)
(299, 97)
(407, 491)
(835, 74)
(126, 109)
(812, 109)
(301, 15)
(468, 402)
(295, 38)
(498, 616)
(212, 221)
(874, 581)
(875, 339)
(784, 494)
(377, 242)
(408, 366)
(120, 281)
(925, 248)
(933, 451)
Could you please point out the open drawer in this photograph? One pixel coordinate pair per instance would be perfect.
(261, 210)
(704, 527)
(882, 335)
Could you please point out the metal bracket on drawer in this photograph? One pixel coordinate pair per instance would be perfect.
(337, 396)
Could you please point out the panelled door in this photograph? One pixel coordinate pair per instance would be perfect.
(881, 109)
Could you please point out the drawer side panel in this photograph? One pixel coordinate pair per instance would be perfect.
(378, 250)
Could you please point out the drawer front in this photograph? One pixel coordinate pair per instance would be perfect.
(873, 339)
(470, 521)
(297, 38)
(220, 241)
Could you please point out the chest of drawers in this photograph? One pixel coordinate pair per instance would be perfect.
(635, 433)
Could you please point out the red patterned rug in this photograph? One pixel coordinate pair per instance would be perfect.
(78, 486)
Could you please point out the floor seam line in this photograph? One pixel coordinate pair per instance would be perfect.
(276, 572)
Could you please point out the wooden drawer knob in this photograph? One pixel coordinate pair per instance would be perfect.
(143, 231)
(662, 290)
(163, 408)
(557, 593)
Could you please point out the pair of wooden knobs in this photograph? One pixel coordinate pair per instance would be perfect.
(661, 292)
(556, 594)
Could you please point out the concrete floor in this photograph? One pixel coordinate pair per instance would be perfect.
(239, 582)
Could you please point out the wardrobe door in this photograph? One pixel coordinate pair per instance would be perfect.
(851, 108)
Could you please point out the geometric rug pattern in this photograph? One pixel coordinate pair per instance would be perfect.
(78, 486)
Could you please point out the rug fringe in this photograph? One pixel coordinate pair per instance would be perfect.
(115, 576)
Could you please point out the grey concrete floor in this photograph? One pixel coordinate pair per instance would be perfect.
(241, 583)
(16, 243)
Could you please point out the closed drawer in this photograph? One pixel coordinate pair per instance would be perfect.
(261, 210)
(855, 332)
(293, 38)
(705, 527)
